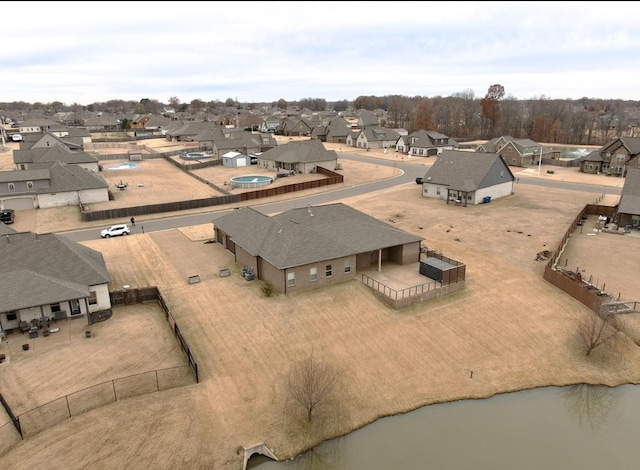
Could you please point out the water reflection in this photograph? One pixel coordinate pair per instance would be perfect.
(591, 405)
(583, 426)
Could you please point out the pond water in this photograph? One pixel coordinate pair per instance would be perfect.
(578, 427)
(574, 152)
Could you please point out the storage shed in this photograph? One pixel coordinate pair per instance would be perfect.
(441, 270)
(235, 159)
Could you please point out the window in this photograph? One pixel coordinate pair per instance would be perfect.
(11, 186)
(93, 298)
(620, 158)
(291, 279)
(29, 185)
(437, 191)
(328, 270)
(55, 308)
(347, 266)
(12, 316)
(313, 274)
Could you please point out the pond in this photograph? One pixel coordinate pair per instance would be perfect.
(577, 427)
(574, 152)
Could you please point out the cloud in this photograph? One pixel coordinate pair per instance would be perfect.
(263, 51)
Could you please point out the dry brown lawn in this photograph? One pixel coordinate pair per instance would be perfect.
(510, 327)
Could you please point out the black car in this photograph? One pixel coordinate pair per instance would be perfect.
(419, 180)
(7, 216)
(253, 160)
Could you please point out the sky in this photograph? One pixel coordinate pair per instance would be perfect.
(88, 52)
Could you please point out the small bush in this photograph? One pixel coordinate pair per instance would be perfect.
(267, 289)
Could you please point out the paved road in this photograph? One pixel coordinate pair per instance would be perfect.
(410, 171)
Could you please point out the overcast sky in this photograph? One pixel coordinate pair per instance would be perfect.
(86, 52)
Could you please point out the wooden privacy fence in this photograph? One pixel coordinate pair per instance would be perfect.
(566, 281)
(126, 212)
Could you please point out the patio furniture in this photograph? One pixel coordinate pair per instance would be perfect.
(24, 326)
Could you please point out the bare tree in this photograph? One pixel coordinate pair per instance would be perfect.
(491, 107)
(596, 330)
(174, 102)
(311, 383)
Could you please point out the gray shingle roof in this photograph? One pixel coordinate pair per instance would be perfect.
(307, 151)
(24, 175)
(630, 199)
(465, 171)
(52, 154)
(72, 178)
(38, 269)
(308, 235)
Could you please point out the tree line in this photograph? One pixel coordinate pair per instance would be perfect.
(462, 116)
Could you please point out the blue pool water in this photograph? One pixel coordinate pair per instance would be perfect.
(250, 181)
(123, 166)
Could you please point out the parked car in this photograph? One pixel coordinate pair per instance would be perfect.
(253, 160)
(419, 180)
(16, 138)
(115, 230)
(7, 216)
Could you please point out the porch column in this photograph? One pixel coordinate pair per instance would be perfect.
(380, 259)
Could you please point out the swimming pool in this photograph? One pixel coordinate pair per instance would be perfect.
(123, 166)
(250, 181)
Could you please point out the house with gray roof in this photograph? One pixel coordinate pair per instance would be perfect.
(50, 150)
(270, 124)
(516, 152)
(314, 246)
(592, 163)
(628, 214)
(468, 178)
(424, 143)
(39, 125)
(48, 276)
(376, 138)
(51, 185)
(618, 156)
(299, 157)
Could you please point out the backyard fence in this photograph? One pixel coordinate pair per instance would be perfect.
(55, 412)
(146, 294)
(568, 281)
(126, 212)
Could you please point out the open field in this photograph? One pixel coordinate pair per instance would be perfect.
(510, 327)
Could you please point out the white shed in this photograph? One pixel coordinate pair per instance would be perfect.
(234, 159)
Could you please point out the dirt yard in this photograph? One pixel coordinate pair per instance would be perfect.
(510, 327)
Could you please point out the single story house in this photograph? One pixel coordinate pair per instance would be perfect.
(299, 157)
(466, 178)
(56, 185)
(49, 151)
(49, 277)
(314, 246)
